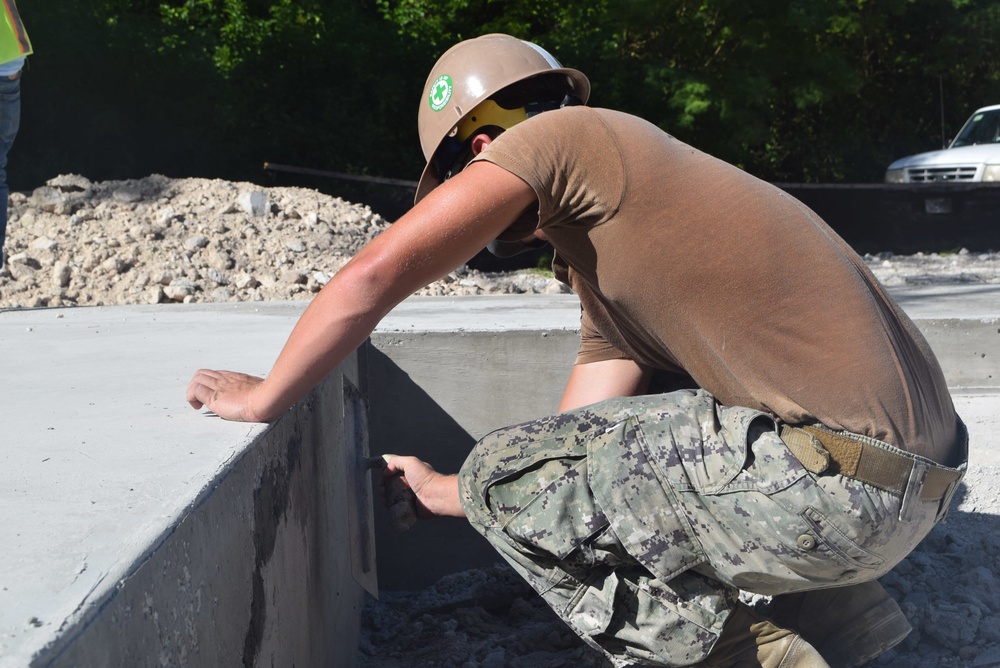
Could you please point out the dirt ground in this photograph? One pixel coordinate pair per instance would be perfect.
(74, 242)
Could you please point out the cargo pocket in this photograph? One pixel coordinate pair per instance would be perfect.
(555, 514)
(636, 620)
(642, 508)
(545, 508)
(832, 541)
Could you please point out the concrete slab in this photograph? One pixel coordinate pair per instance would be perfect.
(101, 459)
(496, 313)
(562, 312)
(981, 414)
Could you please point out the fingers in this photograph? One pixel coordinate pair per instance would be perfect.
(404, 487)
(400, 465)
(203, 386)
(401, 503)
(394, 465)
(198, 387)
(226, 393)
(436, 494)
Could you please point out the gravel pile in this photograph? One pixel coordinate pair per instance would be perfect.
(160, 240)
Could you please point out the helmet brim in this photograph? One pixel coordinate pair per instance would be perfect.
(579, 88)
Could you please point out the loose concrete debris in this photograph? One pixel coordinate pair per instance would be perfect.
(160, 240)
(963, 267)
(481, 618)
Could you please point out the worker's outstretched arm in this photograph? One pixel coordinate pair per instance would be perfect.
(446, 229)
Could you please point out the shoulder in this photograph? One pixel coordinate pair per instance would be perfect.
(562, 137)
(571, 121)
(571, 158)
(579, 131)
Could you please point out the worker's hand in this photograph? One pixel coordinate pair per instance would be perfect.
(228, 394)
(437, 494)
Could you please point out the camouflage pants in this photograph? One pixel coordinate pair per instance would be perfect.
(639, 520)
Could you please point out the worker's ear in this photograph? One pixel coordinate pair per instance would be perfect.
(479, 142)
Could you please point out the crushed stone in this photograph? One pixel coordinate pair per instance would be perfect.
(73, 242)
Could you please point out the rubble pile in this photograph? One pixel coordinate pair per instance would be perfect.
(160, 240)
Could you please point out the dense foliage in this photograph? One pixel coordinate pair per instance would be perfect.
(791, 90)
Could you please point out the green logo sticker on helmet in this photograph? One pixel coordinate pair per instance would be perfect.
(440, 92)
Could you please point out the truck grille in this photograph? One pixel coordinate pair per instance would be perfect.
(941, 174)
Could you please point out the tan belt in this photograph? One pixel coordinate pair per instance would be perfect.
(823, 451)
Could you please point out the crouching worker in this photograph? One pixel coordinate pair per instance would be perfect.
(819, 446)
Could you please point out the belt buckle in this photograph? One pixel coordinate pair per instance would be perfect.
(910, 507)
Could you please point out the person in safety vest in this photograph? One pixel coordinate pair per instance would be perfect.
(14, 49)
(818, 445)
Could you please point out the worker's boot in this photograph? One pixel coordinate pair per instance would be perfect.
(751, 641)
(848, 625)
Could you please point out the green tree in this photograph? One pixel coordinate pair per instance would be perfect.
(122, 88)
(796, 90)
(791, 90)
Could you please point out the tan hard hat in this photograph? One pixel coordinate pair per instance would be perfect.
(466, 75)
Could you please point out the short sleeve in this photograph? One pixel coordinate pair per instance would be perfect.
(593, 346)
(572, 162)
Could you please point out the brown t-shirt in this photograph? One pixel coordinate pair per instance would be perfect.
(685, 263)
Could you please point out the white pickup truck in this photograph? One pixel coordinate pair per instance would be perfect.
(972, 157)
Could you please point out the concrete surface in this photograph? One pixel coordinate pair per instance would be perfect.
(131, 523)
(137, 531)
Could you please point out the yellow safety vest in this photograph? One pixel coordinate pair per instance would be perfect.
(14, 41)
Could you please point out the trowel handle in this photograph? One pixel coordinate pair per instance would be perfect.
(402, 503)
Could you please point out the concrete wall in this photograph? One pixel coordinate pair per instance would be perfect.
(259, 572)
(907, 218)
(434, 394)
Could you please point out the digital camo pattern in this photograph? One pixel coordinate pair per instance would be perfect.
(638, 519)
(539, 512)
